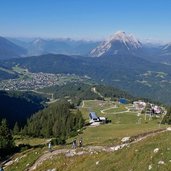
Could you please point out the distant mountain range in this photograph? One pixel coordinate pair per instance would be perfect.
(39, 46)
(120, 43)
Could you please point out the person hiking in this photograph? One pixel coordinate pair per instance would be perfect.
(74, 143)
(81, 142)
(50, 146)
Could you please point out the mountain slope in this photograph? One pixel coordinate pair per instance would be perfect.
(82, 91)
(9, 49)
(166, 49)
(119, 43)
(157, 53)
(18, 106)
(165, 54)
(6, 73)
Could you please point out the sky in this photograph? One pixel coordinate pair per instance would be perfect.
(85, 19)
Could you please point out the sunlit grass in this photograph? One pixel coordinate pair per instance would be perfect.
(137, 157)
(30, 141)
(23, 160)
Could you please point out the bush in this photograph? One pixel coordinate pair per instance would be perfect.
(58, 141)
(23, 147)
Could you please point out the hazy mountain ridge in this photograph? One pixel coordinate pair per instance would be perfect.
(40, 46)
(10, 50)
(119, 43)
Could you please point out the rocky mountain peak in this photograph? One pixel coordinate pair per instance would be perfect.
(119, 43)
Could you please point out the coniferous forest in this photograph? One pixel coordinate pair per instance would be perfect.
(58, 120)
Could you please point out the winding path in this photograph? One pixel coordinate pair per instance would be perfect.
(96, 92)
(93, 149)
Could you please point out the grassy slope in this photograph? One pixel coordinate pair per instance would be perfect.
(137, 157)
(25, 159)
(30, 141)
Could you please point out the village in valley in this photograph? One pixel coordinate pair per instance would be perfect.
(33, 81)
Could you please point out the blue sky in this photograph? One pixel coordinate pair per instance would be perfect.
(88, 19)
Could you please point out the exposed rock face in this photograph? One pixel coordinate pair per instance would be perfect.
(119, 43)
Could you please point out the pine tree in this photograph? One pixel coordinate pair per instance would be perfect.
(167, 117)
(16, 129)
(6, 139)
